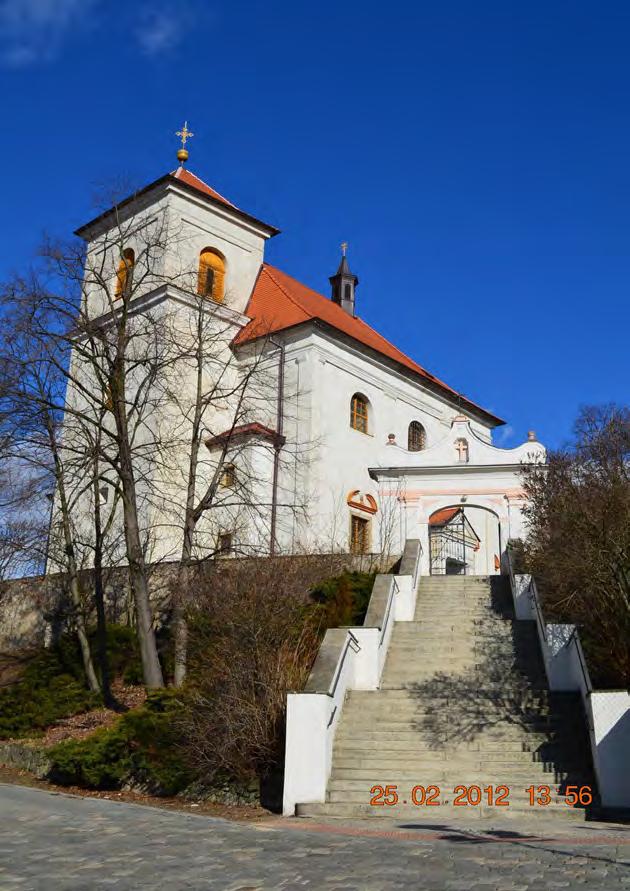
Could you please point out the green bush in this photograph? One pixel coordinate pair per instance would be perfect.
(53, 686)
(123, 653)
(142, 748)
(47, 691)
(344, 598)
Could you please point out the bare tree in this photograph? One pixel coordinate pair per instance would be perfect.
(389, 499)
(107, 359)
(232, 461)
(579, 537)
(154, 396)
(32, 420)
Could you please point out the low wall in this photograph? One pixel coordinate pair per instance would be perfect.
(35, 609)
(607, 711)
(348, 659)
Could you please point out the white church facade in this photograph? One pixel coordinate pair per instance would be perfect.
(355, 446)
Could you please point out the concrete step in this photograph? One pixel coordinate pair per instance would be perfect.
(434, 641)
(413, 738)
(412, 664)
(360, 810)
(454, 628)
(406, 713)
(482, 696)
(457, 769)
(410, 686)
(357, 789)
(353, 754)
(463, 594)
(440, 601)
(444, 611)
(366, 724)
(450, 580)
(421, 627)
(450, 638)
(448, 625)
(352, 745)
(457, 625)
(503, 650)
(395, 675)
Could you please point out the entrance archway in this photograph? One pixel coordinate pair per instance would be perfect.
(464, 539)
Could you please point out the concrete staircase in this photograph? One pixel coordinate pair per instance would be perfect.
(463, 701)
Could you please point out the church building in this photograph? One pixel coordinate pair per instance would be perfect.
(356, 446)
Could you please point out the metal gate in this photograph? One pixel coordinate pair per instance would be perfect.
(448, 546)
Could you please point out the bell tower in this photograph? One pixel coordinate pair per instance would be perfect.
(344, 284)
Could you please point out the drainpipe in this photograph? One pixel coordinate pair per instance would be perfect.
(277, 447)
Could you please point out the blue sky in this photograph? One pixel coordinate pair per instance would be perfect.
(475, 155)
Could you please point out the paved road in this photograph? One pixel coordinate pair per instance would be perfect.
(57, 842)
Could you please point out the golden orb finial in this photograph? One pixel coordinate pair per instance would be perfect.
(184, 134)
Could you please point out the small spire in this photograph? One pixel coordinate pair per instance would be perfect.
(184, 134)
(344, 283)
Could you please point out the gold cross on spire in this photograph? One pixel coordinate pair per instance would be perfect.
(184, 134)
(344, 247)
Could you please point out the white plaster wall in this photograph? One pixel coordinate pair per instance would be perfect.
(196, 226)
(611, 727)
(146, 232)
(339, 457)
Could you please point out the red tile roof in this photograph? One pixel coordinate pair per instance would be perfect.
(252, 429)
(279, 302)
(442, 517)
(185, 176)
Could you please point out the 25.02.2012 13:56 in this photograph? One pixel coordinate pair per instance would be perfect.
(465, 796)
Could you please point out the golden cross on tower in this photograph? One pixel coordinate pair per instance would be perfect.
(184, 134)
(344, 247)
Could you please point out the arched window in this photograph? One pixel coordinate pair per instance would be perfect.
(416, 437)
(359, 413)
(461, 446)
(211, 280)
(124, 275)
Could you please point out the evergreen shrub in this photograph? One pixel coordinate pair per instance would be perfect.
(142, 749)
(344, 598)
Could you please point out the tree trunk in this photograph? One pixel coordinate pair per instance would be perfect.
(180, 633)
(180, 624)
(138, 581)
(99, 597)
(151, 668)
(73, 576)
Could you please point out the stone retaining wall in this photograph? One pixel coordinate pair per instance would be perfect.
(34, 610)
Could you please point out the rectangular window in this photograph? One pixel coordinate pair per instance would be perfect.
(224, 543)
(228, 476)
(359, 535)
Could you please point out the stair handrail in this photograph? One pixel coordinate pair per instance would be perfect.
(350, 641)
(533, 596)
(393, 590)
(532, 593)
(574, 638)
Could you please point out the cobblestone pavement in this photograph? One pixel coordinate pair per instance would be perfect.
(50, 841)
